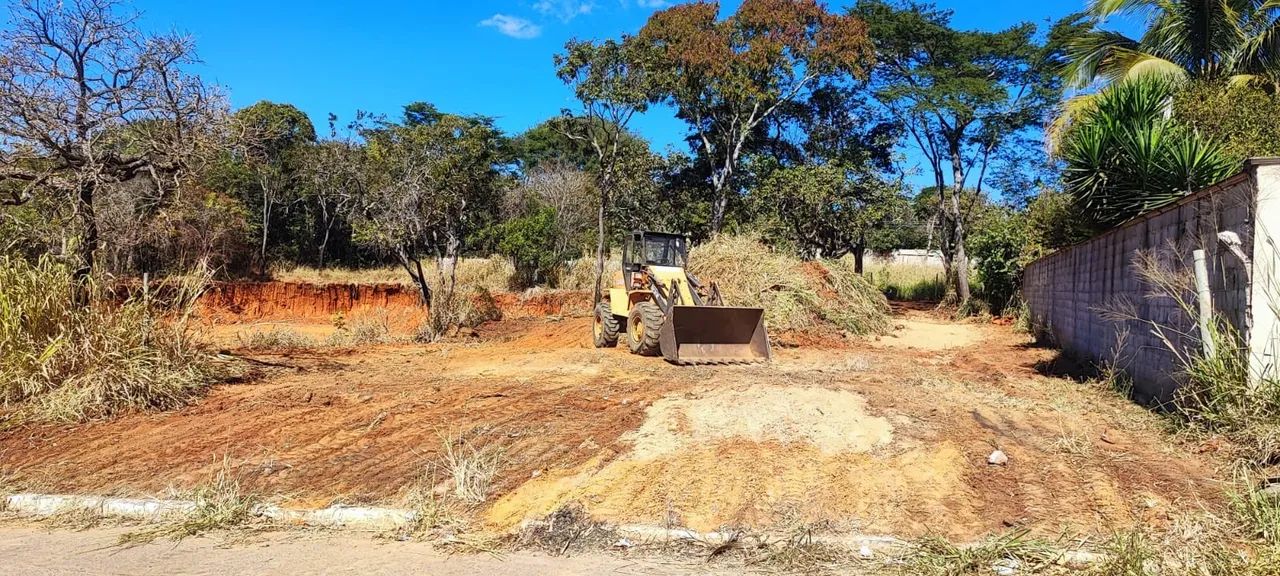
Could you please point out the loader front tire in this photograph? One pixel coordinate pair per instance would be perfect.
(643, 327)
(605, 328)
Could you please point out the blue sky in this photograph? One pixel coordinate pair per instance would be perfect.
(486, 57)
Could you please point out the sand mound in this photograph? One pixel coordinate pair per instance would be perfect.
(829, 420)
(743, 457)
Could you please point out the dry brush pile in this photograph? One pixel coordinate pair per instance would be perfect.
(795, 295)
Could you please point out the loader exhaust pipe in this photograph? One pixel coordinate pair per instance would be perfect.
(714, 335)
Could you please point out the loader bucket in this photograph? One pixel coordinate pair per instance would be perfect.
(714, 335)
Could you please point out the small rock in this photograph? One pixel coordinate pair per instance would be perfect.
(365, 397)
(1106, 437)
(536, 473)
(623, 543)
(864, 551)
(997, 458)
(1006, 567)
(1271, 491)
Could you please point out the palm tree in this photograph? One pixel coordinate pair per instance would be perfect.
(1236, 40)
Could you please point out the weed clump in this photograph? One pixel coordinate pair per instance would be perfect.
(795, 295)
(62, 361)
(219, 503)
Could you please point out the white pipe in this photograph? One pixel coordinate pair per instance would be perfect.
(1205, 298)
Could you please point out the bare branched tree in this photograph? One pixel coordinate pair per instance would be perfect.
(335, 174)
(88, 100)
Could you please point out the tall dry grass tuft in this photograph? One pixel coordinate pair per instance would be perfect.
(580, 274)
(908, 282)
(795, 295)
(63, 362)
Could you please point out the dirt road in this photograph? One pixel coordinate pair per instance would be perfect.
(889, 436)
(26, 551)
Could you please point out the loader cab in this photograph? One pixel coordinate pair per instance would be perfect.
(653, 249)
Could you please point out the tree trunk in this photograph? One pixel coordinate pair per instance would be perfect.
(414, 268)
(597, 294)
(88, 245)
(266, 228)
(859, 250)
(958, 269)
(719, 205)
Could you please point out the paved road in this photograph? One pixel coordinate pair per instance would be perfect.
(36, 551)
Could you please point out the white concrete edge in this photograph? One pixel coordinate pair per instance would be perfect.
(355, 517)
(386, 519)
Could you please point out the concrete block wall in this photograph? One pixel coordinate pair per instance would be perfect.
(1077, 296)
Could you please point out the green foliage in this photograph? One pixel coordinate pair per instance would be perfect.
(1054, 221)
(1124, 156)
(965, 97)
(1184, 39)
(725, 78)
(63, 362)
(529, 241)
(1244, 119)
(826, 210)
(998, 245)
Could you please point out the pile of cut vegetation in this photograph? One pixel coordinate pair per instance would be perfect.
(795, 295)
(63, 361)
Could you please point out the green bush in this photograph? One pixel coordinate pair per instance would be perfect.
(63, 362)
(998, 246)
(529, 241)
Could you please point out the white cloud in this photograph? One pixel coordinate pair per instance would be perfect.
(513, 26)
(565, 10)
(652, 3)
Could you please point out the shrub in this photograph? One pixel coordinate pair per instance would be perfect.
(63, 362)
(998, 245)
(794, 294)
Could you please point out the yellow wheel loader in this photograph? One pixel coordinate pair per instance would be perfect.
(659, 308)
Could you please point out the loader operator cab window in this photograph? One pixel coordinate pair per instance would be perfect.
(664, 251)
(652, 249)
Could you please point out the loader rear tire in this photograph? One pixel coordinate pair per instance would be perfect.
(605, 328)
(643, 328)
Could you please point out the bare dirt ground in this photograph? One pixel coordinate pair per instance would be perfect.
(886, 436)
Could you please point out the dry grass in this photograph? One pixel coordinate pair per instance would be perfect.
(277, 338)
(907, 282)
(471, 468)
(220, 503)
(64, 362)
(494, 274)
(1012, 553)
(580, 274)
(795, 295)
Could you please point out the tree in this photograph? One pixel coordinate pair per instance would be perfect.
(725, 78)
(269, 146)
(568, 194)
(1184, 40)
(435, 177)
(1125, 155)
(1244, 119)
(961, 96)
(612, 81)
(87, 100)
(337, 178)
(829, 210)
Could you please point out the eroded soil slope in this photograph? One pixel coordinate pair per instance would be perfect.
(887, 436)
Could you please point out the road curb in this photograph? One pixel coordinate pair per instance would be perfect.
(349, 517)
(390, 519)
